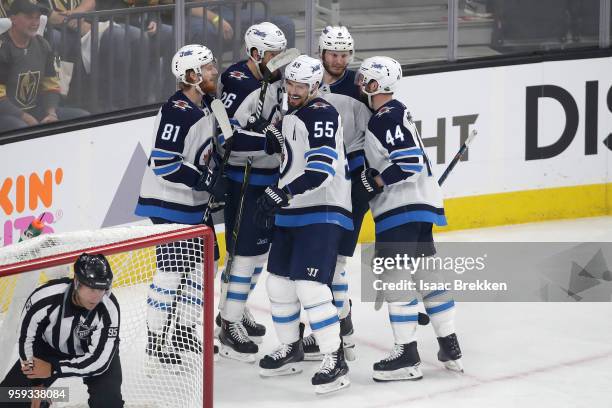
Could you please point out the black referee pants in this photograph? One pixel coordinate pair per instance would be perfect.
(104, 389)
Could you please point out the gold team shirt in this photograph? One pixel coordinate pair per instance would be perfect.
(28, 77)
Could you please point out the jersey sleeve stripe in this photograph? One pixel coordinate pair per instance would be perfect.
(160, 154)
(324, 150)
(321, 158)
(318, 166)
(406, 152)
(411, 168)
(166, 169)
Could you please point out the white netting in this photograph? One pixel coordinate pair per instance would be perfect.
(160, 293)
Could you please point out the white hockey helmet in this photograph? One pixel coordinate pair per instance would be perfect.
(306, 70)
(336, 38)
(384, 70)
(191, 56)
(264, 37)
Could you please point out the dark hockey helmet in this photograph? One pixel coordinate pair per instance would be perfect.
(93, 271)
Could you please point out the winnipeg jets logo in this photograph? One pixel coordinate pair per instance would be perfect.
(319, 105)
(376, 65)
(238, 75)
(259, 33)
(316, 68)
(180, 104)
(383, 110)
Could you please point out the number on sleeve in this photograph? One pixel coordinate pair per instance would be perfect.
(170, 132)
(398, 135)
(228, 99)
(328, 130)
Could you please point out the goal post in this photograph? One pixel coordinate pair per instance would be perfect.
(163, 274)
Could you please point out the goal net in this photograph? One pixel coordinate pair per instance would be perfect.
(163, 281)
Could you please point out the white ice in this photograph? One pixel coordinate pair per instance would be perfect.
(515, 354)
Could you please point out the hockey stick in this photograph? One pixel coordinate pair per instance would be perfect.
(218, 110)
(458, 156)
(274, 64)
(379, 294)
(225, 276)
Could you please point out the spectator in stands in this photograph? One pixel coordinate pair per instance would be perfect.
(29, 83)
(203, 24)
(75, 47)
(5, 21)
(161, 81)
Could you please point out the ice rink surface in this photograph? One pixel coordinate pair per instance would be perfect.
(515, 354)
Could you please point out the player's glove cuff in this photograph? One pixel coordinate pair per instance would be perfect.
(369, 182)
(274, 140)
(365, 188)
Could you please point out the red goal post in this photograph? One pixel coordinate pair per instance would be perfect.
(50, 252)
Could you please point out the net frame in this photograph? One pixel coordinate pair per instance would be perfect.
(199, 231)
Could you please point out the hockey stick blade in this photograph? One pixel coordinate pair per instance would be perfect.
(283, 58)
(220, 113)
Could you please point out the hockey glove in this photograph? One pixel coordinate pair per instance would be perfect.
(365, 188)
(256, 124)
(212, 182)
(274, 140)
(268, 204)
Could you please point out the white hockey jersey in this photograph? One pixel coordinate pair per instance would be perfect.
(346, 97)
(182, 140)
(313, 160)
(411, 192)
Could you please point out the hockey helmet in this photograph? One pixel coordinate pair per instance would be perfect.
(191, 57)
(306, 70)
(93, 271)
(264, 37)
(336, 38)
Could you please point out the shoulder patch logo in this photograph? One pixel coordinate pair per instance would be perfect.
(319, 105)
(383, 110)
(239, 75)
(181, 104)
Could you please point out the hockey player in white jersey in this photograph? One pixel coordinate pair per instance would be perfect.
(406, 201)
(310, 209)
(239, 90)
(175, 188)
(336, 50)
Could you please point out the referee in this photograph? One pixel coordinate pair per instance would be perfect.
(70, 328)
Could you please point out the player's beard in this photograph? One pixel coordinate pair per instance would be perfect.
(334, 70)
(208, 86)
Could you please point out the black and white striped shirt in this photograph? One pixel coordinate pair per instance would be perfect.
(86, 341)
